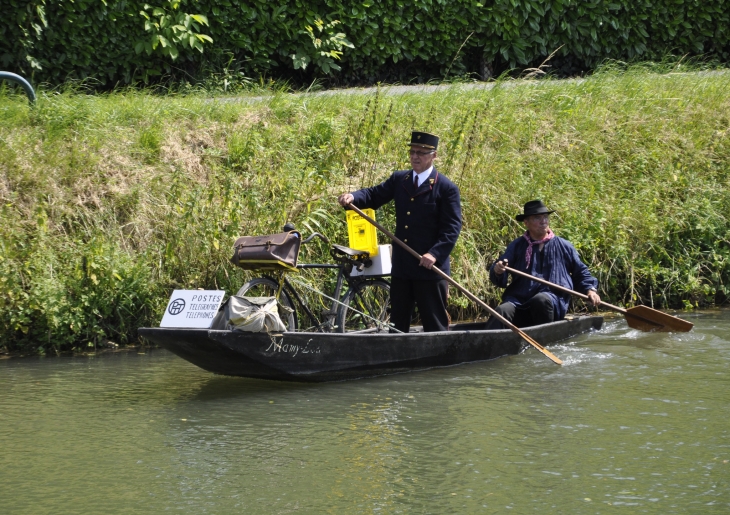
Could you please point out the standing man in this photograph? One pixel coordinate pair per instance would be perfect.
(541, 254)
(428, 219)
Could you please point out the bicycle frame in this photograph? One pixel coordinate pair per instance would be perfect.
(328, 321)
(327, 324)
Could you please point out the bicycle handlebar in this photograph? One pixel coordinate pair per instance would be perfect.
(291, 227)
(320, 236)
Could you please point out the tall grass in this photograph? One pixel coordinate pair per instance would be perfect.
(108, 202)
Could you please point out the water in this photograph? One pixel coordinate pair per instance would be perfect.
(632, 423)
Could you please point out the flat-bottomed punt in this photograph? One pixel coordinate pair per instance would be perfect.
(318, 357)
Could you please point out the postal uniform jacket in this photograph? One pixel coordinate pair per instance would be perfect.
(428, 219)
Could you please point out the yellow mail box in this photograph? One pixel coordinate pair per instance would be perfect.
(363, 235)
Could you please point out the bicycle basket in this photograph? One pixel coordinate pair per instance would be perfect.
(272, 252)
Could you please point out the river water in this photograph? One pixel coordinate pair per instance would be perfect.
(631, 423)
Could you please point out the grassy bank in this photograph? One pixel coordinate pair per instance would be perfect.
(108, 202)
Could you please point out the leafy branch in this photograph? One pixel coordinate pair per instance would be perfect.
(323, 48)
(171, 29)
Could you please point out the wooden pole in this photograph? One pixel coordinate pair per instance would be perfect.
(466, 292)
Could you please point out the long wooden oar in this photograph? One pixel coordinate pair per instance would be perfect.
(466, 292)
(643, 318)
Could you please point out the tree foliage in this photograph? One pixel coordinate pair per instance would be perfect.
(170, 28)
(390, 40)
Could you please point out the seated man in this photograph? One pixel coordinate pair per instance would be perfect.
(540, 253)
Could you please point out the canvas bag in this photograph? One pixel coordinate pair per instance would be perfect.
(272, 252)
(252, 314)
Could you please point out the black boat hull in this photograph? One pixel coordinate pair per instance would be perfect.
(317, 357)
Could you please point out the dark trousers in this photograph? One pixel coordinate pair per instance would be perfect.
(429, 296)
(538, 310)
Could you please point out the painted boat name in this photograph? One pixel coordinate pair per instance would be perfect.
(290, 348)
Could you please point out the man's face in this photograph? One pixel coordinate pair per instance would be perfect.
(421, 158)
(537, 224)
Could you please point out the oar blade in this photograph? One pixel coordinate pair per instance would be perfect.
(550, 355)
(539, 347)
(645, 318)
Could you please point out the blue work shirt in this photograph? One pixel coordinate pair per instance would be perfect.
(557, 262)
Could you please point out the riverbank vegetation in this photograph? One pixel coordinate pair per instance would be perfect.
(108, 202)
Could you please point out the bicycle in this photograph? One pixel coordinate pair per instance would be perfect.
(365, 306)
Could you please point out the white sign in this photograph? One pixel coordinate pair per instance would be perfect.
(381, 263)
(192, 308)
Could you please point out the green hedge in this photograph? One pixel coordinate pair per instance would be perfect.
(393, 40)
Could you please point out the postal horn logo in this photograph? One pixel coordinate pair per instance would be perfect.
(176, 306)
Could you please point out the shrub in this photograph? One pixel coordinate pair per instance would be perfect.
(391, 41)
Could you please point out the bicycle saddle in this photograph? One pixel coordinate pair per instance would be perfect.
(347, 251)
(358, 258)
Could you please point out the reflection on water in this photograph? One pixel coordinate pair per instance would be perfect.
(633, 421)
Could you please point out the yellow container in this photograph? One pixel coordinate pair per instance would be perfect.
(362, 233)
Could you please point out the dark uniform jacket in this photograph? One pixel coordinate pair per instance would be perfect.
(428, 219)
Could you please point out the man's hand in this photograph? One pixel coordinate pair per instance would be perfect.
(499, 267)
(345, 199)
(594, 297)
(427, 261)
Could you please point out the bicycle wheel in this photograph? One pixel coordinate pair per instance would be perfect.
(265, 287)
(366, 306)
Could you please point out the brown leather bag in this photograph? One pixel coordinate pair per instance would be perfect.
(272, 252)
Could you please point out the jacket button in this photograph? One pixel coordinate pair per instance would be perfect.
(408, 213)
(405, 241)
(406, 227)
(411, 199)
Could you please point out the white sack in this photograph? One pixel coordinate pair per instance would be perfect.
(252, 314)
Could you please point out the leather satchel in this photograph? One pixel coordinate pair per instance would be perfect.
(272, 252)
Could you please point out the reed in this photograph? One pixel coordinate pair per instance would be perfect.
(110, 201)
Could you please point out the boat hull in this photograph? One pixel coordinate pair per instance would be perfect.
(317, 357)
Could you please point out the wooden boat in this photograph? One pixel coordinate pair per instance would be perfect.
(316, 357)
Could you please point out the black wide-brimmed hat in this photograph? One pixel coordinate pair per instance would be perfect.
(424, 139)
(533, 207)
